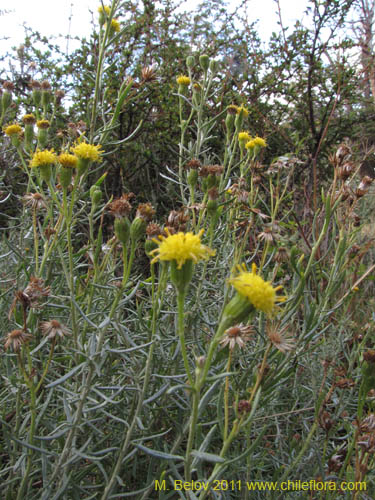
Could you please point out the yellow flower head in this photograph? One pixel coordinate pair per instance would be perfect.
(181, 247)
(42, 158)
(29, 119)
(259, 293)
(43, 124)
(258, 141)
(244, 136)
(67, 160)
(107, 10)
(183, 80)
(14, 129)
(87, 151)
(115, 25)
(244, 111)
(250, 145)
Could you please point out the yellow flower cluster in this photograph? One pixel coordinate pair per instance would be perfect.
(244, 111)
(43, 158)
(183, 80)
(244, 136)
(257, 141)
(13, 129)
(44, 124)
(87, 151)
(181, 247)
(106, 9)
(67, 160)
(115, 25)
(258, 292)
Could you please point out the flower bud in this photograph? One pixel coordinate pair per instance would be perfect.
(190, 62)
(96, 195)
(204, 61)
(65, 177)
(137, 229)
(122, 229)
(181, 277)
(192, 178)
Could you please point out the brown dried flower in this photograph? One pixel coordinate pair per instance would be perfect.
(16, 338)
(34, 200)
(280, 339)
(121, 207)
(53, 327)
(237, 335)
(145, 211)
(35, 291)
(153, 230)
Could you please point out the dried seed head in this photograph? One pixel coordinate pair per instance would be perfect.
(45, 85)
(279, 337)
(54, 328)
(153, 230)
(121, 207)
(35, 85)
(145, 211)
(193, 164)
(16, 338)
(237, 335)
(35, 290)
(343, 151)
(243, 406)
(34, 200)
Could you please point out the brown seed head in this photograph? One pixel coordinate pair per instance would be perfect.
(15, 339)
(145, 211)
(121, 207)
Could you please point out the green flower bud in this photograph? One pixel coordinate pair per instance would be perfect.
(46, 98)
(214, 66)
(29, 136)
(82, 166)
(96, 195)
(149, 247)
(192, 178)
(190, 62)
(122, 229)
(137, 229)
(204, 61)
(65, 177)
(237, 310)
(212, 206)
(37, 97)
(181, 277)
(42, 137)
(46, 172)
(229, 122)
(6, 100)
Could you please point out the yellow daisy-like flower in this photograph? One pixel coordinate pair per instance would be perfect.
(258, 141)
(250, 145)
(181, 247)
(29, 119)
(115, 25)
(43, 124)
(87, 151)
(67, 160)
(106, 9)
(14, 129)
(244, 136)
(259, 293)
(183, 80)
(42, 158)
(244, 111)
